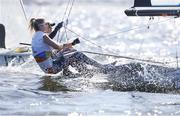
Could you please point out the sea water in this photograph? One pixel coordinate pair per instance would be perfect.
(32, 94)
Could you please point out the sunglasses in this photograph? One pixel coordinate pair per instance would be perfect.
(50, 24)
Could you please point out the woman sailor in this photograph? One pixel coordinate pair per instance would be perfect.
(42, 46)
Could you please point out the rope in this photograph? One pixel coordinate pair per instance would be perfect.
(177, 61)
(94, 44)
(125, 57)
(65, 12)
(112, 55)
(117, 56)
(23, 9)
(135, 28)
(70, 9)
(111, 51)
(84, 38)
(171, 62)
(67, 19)
(114, 33)
(139, 27)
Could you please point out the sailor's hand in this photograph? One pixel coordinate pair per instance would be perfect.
(60, 47)
(59, 25)
(76, 41)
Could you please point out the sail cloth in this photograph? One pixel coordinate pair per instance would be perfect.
(16, 25)
(145, 8)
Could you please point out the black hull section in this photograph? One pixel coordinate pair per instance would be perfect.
(2, 36)
(134, 12)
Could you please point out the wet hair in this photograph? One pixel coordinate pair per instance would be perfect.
(34, 24)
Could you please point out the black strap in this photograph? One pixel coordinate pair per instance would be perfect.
(2, 36)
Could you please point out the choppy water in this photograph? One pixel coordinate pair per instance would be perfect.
(25, 90)
(32, 94)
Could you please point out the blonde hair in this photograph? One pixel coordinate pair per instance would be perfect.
(34, 24)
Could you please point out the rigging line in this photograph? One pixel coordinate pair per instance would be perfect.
(125, 57)
(84, 38)
(177, 62)
(67, 20)
(135, 28)
(170, 62)
(120, 31)
(23, 9)
(72, 4)
(94, 44)
(176, 47)
(65, 31)
(70, 8)
(65, 12)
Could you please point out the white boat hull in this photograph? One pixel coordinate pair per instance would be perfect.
(12, 58)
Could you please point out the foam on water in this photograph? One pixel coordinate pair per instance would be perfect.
(28, 67)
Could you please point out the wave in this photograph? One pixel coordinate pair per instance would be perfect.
(128, 77)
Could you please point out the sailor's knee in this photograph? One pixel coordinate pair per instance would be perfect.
(77, 53)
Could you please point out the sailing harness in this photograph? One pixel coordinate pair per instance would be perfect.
(43, 56)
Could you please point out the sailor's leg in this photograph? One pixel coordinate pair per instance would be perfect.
(82, 58)
(66, 71)
(79, 60)
(80, 67)
(57, 65)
